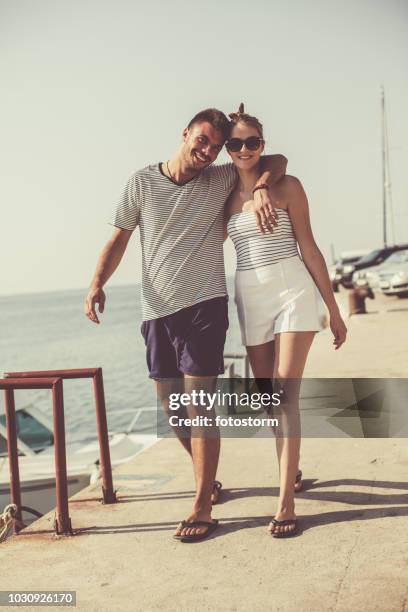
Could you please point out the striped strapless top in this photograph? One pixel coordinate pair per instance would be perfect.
(254, 249)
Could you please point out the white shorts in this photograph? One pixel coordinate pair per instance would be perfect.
(280, 297)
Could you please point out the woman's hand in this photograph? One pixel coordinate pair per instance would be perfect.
(266, 216)
(339, 329)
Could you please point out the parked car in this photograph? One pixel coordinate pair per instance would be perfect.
(347, 257)
(393, 276)
(369, 277)
(374, 258)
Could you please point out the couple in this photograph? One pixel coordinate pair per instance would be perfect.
(184, 208)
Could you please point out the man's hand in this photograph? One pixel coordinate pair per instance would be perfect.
(108, 261)
(95, 296)
(264, 208)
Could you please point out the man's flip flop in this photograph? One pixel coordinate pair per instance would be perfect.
(284, 534)
(211, 525)
(217, 486)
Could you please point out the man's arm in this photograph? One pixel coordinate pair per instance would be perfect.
(273, 169)
(108, 261)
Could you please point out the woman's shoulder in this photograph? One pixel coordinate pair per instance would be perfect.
(289, 182)
(289, 188)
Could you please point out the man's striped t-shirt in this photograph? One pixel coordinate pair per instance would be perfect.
(181, 234)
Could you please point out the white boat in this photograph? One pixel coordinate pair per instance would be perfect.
(35, 443)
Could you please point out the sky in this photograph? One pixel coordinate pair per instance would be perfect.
(93, 89)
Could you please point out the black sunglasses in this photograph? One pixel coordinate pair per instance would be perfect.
(252, 144)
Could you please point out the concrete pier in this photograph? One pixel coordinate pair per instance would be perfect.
(351, 553)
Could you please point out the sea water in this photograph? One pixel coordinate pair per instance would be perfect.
(50, 331)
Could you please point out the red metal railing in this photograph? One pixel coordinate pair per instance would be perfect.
(53, 379)
(62, 521)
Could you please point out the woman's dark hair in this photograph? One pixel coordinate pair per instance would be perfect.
(242, 117)
(216, 118)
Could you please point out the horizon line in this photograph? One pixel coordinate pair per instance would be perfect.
(48, 291)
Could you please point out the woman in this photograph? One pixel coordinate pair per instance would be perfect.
(276, 297)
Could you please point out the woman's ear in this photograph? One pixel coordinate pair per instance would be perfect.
(185, 134)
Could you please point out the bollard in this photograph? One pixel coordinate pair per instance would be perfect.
(335, 286)
(357, 299)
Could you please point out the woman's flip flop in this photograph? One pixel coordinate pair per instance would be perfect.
(217, 486)
(284, 534)
(298, 480)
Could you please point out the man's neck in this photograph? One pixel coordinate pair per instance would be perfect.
(178, 170)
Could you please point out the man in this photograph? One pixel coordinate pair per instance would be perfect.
(178, 206)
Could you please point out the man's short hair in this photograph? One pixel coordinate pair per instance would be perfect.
(214, 117)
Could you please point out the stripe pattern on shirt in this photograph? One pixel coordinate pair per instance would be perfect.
(181, 235)
(255, 249)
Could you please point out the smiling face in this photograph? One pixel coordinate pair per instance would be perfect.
(245, 159)
(202, 143)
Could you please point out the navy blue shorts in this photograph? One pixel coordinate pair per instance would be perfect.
(190, 341)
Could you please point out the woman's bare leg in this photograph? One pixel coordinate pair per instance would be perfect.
(291, 350)
(262, 360)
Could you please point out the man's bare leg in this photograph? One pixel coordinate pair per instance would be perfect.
(165, 387)
(205, 450)
(177, 385)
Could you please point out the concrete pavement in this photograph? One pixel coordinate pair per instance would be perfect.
(351, 553)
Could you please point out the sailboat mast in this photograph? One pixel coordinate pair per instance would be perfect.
(384, 180)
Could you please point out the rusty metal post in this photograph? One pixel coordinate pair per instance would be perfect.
(109, 495)
(11, 426)
(62, 521)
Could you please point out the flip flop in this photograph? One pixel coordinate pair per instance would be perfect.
(212, 526)
(284, 534)
(217, 486)
(299, 479)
